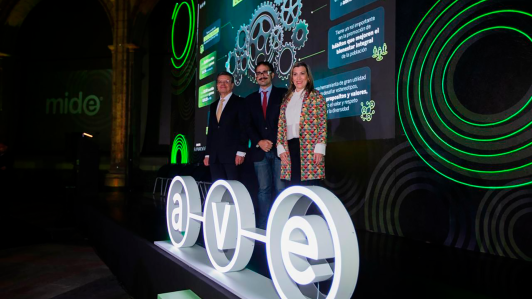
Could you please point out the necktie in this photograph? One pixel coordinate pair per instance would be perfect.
(220, 108)
(264, 102)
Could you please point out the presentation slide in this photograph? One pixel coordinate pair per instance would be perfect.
(349, 45)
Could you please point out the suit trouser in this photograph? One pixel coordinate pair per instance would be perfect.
(223, 171)
(294, 148)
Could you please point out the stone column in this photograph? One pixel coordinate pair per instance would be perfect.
(3, 115)
(2, 55)
(121, 86)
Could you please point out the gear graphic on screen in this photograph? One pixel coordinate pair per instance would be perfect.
(236, 67)
(276, 37)
(263, 39)
(299, 35)
(283, 72)
(290, 12)
(243, 31)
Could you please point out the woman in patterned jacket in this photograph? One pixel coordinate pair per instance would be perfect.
(302, 135)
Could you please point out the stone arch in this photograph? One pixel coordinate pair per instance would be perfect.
(14, 12)
(108, 7)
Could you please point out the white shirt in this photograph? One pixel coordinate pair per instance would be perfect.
(293, 115)
(226, 100)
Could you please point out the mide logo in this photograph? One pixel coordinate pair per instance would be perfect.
(89, 105)
(302, 249)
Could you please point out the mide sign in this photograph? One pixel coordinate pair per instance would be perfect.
(76, 105)
(302, 250)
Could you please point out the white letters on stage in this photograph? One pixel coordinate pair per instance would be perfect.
(302, 250)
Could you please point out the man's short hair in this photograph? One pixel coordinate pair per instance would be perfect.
(225, 73)
(266, 63)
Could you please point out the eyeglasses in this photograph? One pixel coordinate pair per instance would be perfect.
(220, 82)
(265, 73)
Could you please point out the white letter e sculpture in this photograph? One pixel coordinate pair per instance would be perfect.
(302, 249)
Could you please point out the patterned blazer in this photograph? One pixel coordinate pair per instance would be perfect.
(312, 130)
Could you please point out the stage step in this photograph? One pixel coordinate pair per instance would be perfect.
(186, 294)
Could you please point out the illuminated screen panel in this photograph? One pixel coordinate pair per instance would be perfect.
(349, 45)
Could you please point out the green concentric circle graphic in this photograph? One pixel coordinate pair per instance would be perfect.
(447, 68)
(183, 61)
(497, 222)
(190, 37)
(492, 152)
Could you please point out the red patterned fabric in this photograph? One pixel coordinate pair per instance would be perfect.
(312, 130)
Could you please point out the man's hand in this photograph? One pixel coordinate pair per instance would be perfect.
(318, 158)
(265, 145)
(284, 157)
(239, 160)
(206, 161)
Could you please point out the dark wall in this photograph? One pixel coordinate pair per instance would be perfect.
(386, 185)
(62, 46)
(402, 187)
(170, 91)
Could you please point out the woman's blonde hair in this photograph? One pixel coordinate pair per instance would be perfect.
(310, 84)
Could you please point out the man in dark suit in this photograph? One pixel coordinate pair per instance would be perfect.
(263, 116)
(226, 138)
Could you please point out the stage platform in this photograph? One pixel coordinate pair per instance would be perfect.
(123, 228)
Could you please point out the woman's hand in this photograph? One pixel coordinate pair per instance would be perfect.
(318, 158)
(284, 157)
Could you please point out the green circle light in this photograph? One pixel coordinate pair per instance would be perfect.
(408, 72)
(447, 66)
(446, 102)
(190, 37)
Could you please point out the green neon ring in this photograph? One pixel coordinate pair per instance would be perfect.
(447, 66)
(191, 29)
(174, 17)
(435, 110)
(403, 124)
(432, 73)
(419, 94)
(425, 118)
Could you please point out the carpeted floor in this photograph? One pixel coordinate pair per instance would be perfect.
(43, 252)
(56, 271)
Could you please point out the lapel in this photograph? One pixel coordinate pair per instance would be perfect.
(226, 110)
(302, 116)
(271, 103)
(258, 103)
(305, 97)
(289, 98)
(305, 100)
(214, 108)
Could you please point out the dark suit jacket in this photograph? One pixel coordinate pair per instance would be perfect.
(228, 136)
(259, 128)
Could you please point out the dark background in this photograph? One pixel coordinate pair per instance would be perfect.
(384, 184)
